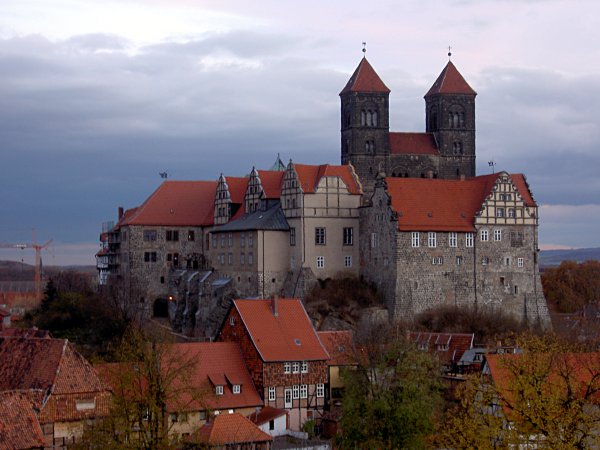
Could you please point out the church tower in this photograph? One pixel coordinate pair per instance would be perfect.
(450, 116)
(365, 124)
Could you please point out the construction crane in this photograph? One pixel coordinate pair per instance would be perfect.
(37, 278)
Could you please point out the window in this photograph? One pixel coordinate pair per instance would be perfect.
(149, 235)
(458, 260)
(320, 236)
(303, 391)
(484, 235)
(415, 239)
(437, 260)
(287, 367)
(485, 261)
(292, 236)
(295, 391)
(304, 367)
(516, 289)
(150, 256)
(511, 212)
(191, 235)
(520, 262)
(222, 240)
(507, 261)
(219, 390)
(497, 235)
(295, 367)
(214, 241)
(320, 390)
(347, 261)
(374, 240)
(232, 321)
(271, 393)
(250, 239)
(499, 212)
(242, 258)
(469, 240)
(320, 262)
(230, 240)
(348, 236)
(431, 239)
(250, 258)
(453, 239)
(229, 258)
(242, 240)
(516, 239)
(175, 259)
(172, 235)
(237, 389)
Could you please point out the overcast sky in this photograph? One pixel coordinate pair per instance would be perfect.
(97, 98)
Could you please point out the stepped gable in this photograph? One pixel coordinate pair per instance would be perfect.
(271, 181)
(310, 176)
(229, 429)
(19, 427)
(413, 144)
(365, 79)
(438, 205)
(284, 335)
(450, 81)
(176, 203)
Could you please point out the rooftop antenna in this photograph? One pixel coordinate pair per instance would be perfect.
(449, 53)
(364, 49)
(492, 164)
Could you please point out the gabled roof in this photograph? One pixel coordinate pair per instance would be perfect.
(340, 346)
(285, 336)
(365, 79)
(267, 414)
(19, 427)
(271, 219)
(176, 203)
(309, 176)
(450, 81)
(413, 143)
(227, 429)
(51, 365)
(456, 343)
(271, 182)
(237, 188)
(522, 186)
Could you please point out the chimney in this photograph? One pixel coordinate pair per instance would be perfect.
(120, 212)
(274, 301)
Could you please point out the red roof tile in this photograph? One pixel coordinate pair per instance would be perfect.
(237, 188)
(176, 203)
(450, 81)
(271, 181)
(457, 344)
(310, 176)
(266, 414)
(365, 79)
(522, 186)
(287, 336)
(230, 429)
(340, 346)
(19, 427)
(413, 143)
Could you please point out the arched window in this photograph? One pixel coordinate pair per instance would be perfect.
(370, 146)
(461, 119)
(363, 118)
(374, 119)
(369, 118)
(457, 148)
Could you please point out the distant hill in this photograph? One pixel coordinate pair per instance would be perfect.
(18, 271)
(551, 258)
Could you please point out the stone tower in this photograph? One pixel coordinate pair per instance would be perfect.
(365, 124)
(450, 116)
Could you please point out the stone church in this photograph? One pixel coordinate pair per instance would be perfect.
(445, 150)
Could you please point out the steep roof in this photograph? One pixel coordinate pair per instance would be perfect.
(365, 79)
(340, 346)
(413, 143)
(227, 429)
(176, 203)
(522, 186)
(237, 188)
(19, 427)
(310, 176)
(266, 414)
(455, 344)
(286, 336)
(450, 81)
(271, 181)
(270, 219)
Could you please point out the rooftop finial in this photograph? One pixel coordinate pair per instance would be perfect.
(449, 53)
(364, 49)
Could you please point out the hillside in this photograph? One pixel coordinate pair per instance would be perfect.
(552, 258)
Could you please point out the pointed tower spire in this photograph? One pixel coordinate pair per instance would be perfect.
(450, 81)
(365, 79)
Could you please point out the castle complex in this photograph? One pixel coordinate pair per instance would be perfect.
(405, 211)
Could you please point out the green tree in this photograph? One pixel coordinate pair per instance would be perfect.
(390, 398)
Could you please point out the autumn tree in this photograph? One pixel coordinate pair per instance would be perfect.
(545, 397)
(390, 398)
(571, 286)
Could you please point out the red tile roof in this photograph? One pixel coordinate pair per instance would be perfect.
(271, 181)
(19, 427)
(266, 414)
(413, 143)
(365, 79)
(450, 81)
(340, 346)
(287, 336)
(16, 332)
(227, 429)
(310, 176)
(457, 344)
(203, 365)
(522, 186)
(176, 203)
(237, 188)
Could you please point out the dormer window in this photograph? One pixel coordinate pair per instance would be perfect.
(236, 389)
(443, 347)
(219, 390)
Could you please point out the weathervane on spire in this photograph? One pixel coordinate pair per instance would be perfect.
(449, 53)
(492, 164)
(364, 49)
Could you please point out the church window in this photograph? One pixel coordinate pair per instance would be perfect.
(369, 118)
(453, 239)
(431, 239)
(457, 148)
(461, 119)
(415, 239)
(363, 118)
(375, 118)
(469, 240)
(370, 146)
